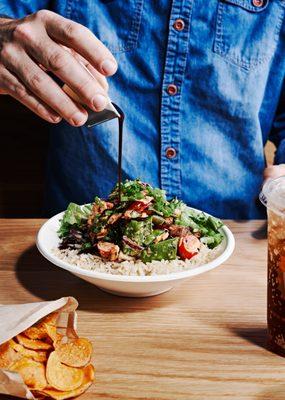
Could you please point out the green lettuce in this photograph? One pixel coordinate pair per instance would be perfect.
(206, 225)
(74, 216)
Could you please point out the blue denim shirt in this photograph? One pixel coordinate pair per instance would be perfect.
(226, 58)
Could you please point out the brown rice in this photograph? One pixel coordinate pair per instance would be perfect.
(138, 268)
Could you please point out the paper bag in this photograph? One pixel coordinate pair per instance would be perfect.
(15, 318)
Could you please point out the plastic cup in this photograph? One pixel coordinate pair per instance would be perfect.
(273, 197)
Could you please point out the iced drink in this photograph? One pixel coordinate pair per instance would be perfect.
(273, 196)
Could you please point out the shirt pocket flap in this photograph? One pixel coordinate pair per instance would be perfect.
(249, 4)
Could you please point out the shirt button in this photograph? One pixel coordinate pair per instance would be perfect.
(172, 89)
(170, 152)
(258, 3)
(179, 25)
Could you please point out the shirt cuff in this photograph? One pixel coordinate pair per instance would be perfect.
(5, 16)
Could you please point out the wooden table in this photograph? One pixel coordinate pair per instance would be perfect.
(203, 340)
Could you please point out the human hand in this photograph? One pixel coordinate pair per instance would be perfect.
(45, 41)
(274, 171)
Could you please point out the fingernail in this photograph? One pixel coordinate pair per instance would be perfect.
(78, 118)
(55, 118)
(109, 67)
(99, 102)
(48, 114)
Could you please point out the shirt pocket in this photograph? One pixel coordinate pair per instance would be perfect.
(247, 31)
(116, 23)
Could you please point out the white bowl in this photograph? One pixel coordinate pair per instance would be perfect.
(130, 286)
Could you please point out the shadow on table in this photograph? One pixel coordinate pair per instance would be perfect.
(261, 232)
(255, 335)
(44, 280)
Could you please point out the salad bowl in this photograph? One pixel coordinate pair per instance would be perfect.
(126, 285)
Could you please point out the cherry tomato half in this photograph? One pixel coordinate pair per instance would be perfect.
(188, 247)
(141, 205)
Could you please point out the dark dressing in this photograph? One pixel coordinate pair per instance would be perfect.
(121, 119)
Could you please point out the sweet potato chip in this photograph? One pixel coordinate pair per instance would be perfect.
(51, 331)
(60, 395)
(75, 352)
(33, 344)
(43, 329)
(50, 319)
(32, 372)
(8, 355)
(37, 331)
(40, 356)
(62, 377)
(59, 337)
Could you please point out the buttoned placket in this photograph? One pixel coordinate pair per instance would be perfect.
(174, 70)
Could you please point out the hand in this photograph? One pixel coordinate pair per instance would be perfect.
(274, 171)
(45, 41)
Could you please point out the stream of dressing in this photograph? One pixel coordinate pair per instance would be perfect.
(121, 119)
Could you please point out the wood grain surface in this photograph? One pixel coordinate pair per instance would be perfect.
(204, 340)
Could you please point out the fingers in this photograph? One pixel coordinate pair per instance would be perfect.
(12, 86)
(34, 44)
(101, 79)
(43, 87)
(64, 65)
(274, 172)
(83, 41)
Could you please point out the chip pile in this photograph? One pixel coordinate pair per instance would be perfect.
(50, 364)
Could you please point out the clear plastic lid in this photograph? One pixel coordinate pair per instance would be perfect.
(273, 195)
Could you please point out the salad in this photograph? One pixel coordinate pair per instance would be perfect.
(143, 226)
